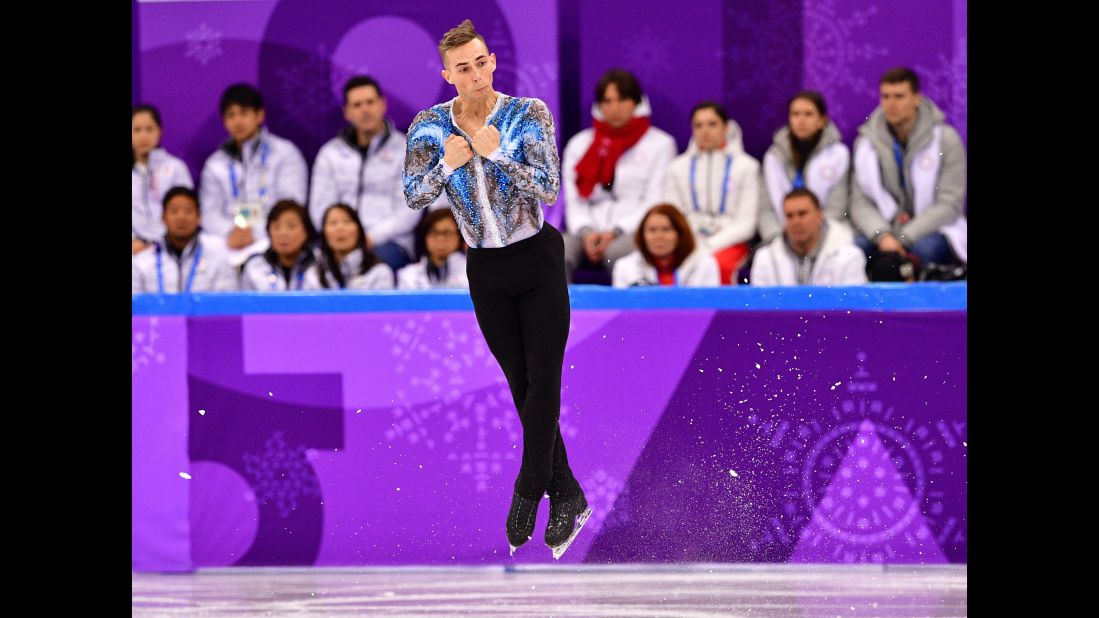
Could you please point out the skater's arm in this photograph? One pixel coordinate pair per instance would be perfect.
(540, 176)
(425, 174)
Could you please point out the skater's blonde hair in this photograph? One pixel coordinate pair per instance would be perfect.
(457, 36)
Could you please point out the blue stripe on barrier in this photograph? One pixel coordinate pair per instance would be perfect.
(877, 297)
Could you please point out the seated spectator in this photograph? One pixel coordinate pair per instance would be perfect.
(184, 261)
(909, 182)
(716, 184)
(666, 254)
(807, 153)
(152, 173)
(248, 174)
(812, 251)
(362, 167)
(444, 265)
(612, 173)
(289, 264)
(345, 262)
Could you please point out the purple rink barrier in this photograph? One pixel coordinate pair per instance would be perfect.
(727, 425)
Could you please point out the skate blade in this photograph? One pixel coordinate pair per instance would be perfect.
(515, 547)
(580, 521)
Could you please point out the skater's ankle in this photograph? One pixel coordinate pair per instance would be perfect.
(537, 497)
(567, 491)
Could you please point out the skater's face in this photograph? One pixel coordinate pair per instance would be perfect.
(365, 109)
(340, 231)
(145, 133)
(616, 110)
(181, 217)
(288, 234)
(660, 235)
(708, 129)
(442, 239)
(899, 103)
(242, 123)
(805, 119)
(803, 220)
(469, 68)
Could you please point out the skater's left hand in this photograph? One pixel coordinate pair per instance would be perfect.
(486, 140)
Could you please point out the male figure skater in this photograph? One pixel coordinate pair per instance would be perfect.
(496, 157)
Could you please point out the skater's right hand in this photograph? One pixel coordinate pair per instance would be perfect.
(456, 151)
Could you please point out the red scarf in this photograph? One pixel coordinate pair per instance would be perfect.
(665, 270)
(597, 164)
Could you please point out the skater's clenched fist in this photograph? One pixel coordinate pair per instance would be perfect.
(456, 151)
(486, 140)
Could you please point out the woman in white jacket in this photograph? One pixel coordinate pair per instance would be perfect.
(345, 260)
(152, 173)
(288, 265)
(807, 153)
(444, 265)
(666, 254)
(717, 185)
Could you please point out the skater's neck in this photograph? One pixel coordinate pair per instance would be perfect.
(474, 111)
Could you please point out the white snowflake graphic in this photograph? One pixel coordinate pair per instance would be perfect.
(439, 352)
(281, 474)
(143, 345)
(469, 423)
(474, 420)
(203, 44)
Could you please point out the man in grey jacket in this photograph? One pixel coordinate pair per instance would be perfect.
(362, 167)
(909, 182)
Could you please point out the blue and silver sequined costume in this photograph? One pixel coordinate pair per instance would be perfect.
(496, 200)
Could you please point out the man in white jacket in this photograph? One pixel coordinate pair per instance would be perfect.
(612, 174)
(247, 175)
(184, 260)
(363, 167)
(812, 251)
